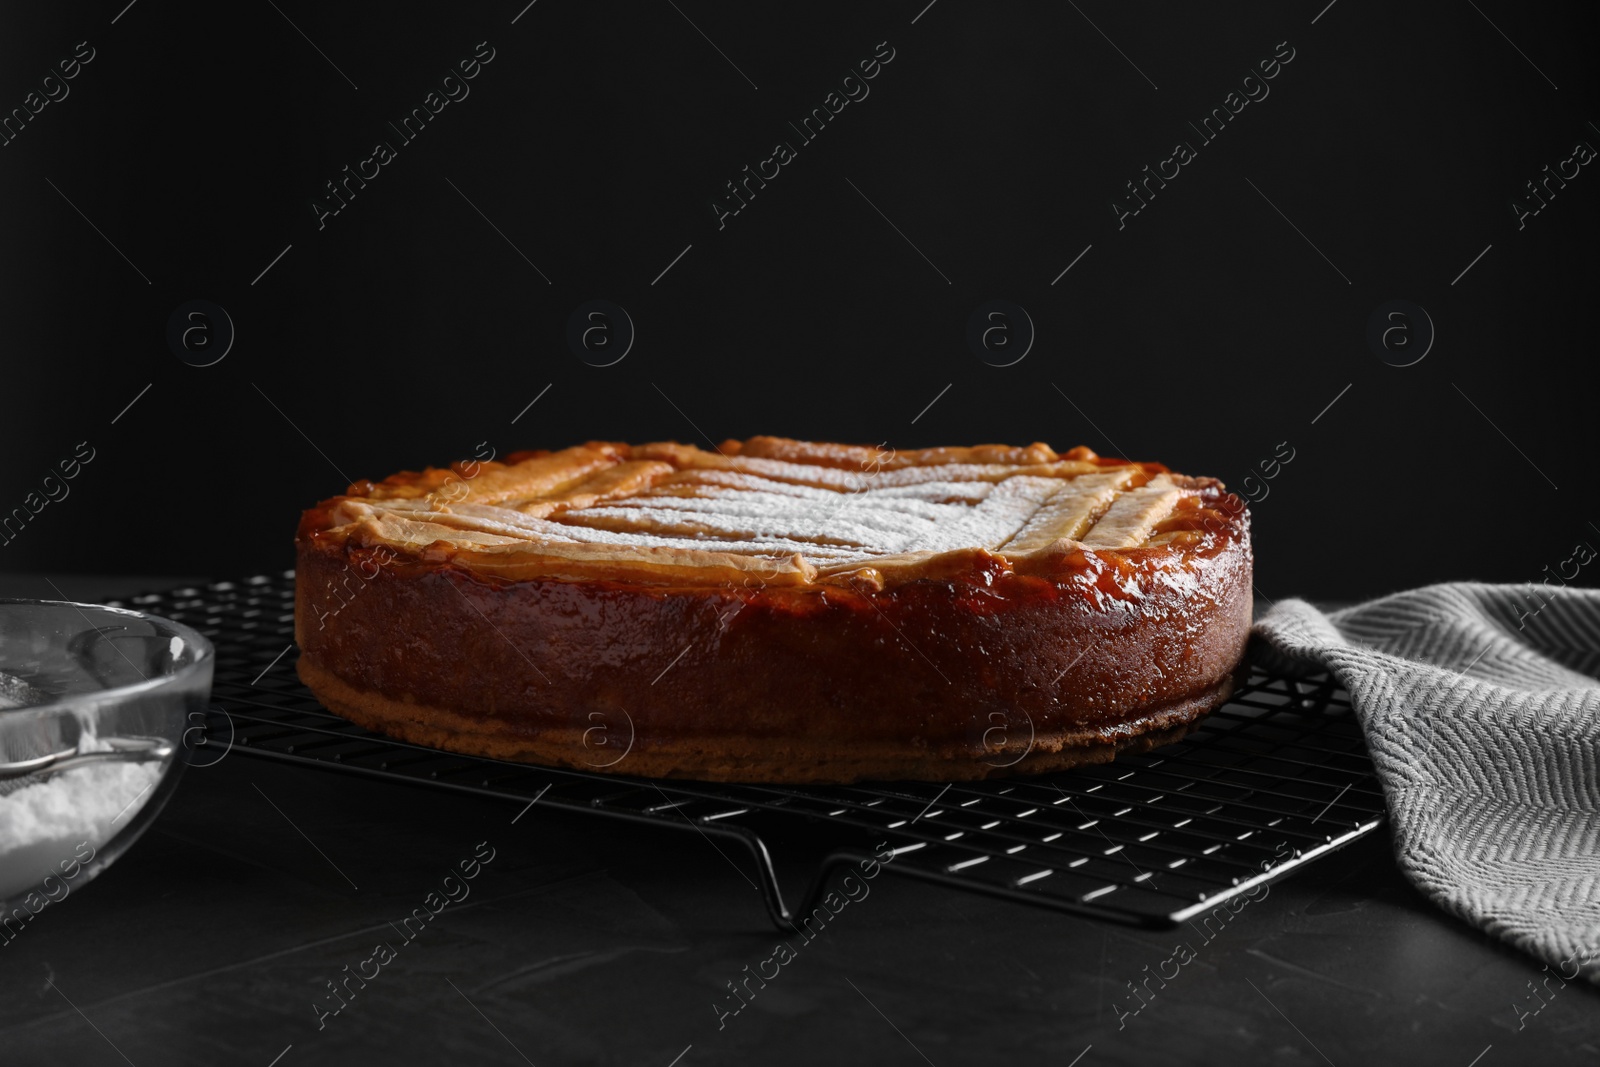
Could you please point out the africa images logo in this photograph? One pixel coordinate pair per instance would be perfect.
(853, 89)
(452, 88)
(1253, 88)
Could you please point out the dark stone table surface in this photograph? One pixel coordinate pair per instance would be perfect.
(587, 941)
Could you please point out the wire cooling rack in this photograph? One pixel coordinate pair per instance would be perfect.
(1271, 780)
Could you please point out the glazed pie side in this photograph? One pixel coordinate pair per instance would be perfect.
(776, 610)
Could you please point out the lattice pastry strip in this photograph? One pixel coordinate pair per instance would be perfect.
(1127, 523)
(1071, 509)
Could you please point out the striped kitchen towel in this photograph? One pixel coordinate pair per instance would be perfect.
(1482, 713)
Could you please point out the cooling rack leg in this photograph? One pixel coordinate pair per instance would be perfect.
(767, 875)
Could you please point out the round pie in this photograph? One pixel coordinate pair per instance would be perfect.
(776, 610)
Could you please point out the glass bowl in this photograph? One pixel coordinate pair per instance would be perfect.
(94, 705)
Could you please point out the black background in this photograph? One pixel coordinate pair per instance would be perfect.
(1204, 333)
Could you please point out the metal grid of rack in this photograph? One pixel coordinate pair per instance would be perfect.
(1276, 777)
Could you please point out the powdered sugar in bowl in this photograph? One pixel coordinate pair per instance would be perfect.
(94, 702)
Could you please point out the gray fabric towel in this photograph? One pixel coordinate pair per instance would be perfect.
(1482, 714)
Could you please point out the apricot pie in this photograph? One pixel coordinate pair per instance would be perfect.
(777, 610)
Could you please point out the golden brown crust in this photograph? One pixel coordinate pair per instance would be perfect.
(758, 613)
(768, 511)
